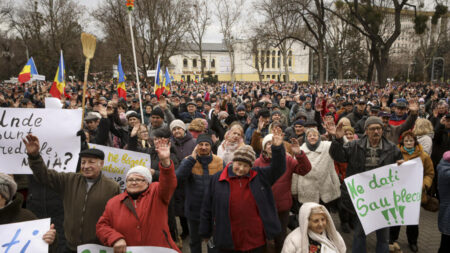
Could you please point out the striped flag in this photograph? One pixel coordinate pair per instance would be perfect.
(59, 83)
(28, 71)
(121, 82)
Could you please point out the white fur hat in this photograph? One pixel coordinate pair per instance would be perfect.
(141, 170)
(266, 139)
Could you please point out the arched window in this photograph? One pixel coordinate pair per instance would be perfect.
(185, 63)
(194, 63)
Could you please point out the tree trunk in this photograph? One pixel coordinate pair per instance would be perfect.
(382, 65)
(425, 73)
(231, 55)
(370, 70)
(321, 66)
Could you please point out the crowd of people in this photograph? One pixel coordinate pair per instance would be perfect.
(242, 167)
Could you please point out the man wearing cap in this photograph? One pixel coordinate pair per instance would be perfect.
(308, 110)
(400, 113)
(373, 150)
(84, 194)
(138, 216)
(359, 127)
(191, 113)
(160, 117)
(98, 124)
(392, 132)
(441, 140)
(259, 123)
(347, 108)
(196, 170)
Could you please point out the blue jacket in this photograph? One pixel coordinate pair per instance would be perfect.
(186, 117)
(215, 219)
(196, 174)
(443, 172)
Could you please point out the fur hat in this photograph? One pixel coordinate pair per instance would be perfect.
(141, 170)
(197, 125)
(266, 139)
(373, 120)
(8, 187)
(245, 154)
(177, 123)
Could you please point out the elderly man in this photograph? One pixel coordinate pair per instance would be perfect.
(84, 195)
(191, 113)
(197, 169)
(373, 150)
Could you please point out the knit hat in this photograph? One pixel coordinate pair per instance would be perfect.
(8, 187)
(299, 122)
(276, 112)
(373, 120)
(240, 108)
(244, 154)
(141, 170)
(177, 123)
(157, 112)
(266, 139)
(134, 114)
(197, 125)
(204, 138)
(447, 156)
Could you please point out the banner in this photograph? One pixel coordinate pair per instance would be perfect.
(94, 248)
(387, 196)
(119, 161)
(57, 133)
(53, 103)
(25, 237)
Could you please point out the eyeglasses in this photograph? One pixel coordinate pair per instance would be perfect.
(373, 129)
(135, 180)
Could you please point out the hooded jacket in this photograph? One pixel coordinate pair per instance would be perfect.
(443, 173)
(298, 240)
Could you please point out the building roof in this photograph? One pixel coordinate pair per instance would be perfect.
(206, 47)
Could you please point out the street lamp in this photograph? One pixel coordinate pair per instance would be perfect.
(432, 67)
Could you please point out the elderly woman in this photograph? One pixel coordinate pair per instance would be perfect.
(238, 208)
(410, 148)
(321, 184)
(138, 216)
(316, 232)
(11, 210)
(234, 138)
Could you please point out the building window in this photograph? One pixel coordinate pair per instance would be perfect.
(273, 59)
(268, 76)
(185, 63)
(213, 63)
(203, 63)
(268, 59)
(290, 59)
(273, 77)
(194, 63)
(182, 77)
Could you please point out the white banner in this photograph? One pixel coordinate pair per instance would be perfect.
(53, 103)
(57, 133)
(387, 196)
(119, 161)
(94, 248)
(24, 236)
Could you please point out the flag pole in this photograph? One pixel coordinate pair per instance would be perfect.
(136, 67)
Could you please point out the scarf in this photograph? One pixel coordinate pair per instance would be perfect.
(409, 150)
(136, 195)
(323, 240)
(311, 146)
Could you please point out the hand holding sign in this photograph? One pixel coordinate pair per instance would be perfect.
(49, 237)
(32, 145)
(120, 246)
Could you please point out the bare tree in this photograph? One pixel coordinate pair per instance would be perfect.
(258, 48)
(200, 21)
(228, 13)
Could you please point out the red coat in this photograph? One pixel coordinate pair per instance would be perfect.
(141, 222)
(282, 187)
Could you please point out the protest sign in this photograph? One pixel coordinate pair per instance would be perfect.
(57, 133)
(53, 103)
(94, 248)
(387, 196)
(119, 161)
(24, 237)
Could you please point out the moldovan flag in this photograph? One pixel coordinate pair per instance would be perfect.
(158, 87)
(59, 83)
(167, 81)
(121, 83)
(28, 71)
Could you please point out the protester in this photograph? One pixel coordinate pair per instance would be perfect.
(373, 150)
(410, 148)
(81, 210)
(241, 186)
(423, 130)
(316, 232)
(298, 164)
(234, 138)
(443, 173)
(138, 216)
(197, 170)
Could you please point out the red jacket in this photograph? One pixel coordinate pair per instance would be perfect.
(282, 187)
(141, 222)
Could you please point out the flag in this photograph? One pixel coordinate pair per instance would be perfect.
(167, 81)
(28, 71)
(158, 88)
(59, 83)
(224, 88)
(234, 88)
(121, 82)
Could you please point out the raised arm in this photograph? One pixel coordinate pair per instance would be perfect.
(167, 178)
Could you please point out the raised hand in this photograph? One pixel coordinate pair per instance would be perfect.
(295, 146)
(135, 130)
(277, 139)
(413, 105)
(162, 103)
(194, 153)
(32, 144)
(261, 124)
(162, 147)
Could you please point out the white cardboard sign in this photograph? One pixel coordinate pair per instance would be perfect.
(95, 248)
(387, 196)
(57, 133)
(24, 237)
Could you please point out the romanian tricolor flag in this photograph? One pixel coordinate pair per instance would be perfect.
(28, 71)
(159, 89)
(121, 82)
(59, 83)
(167, 81)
